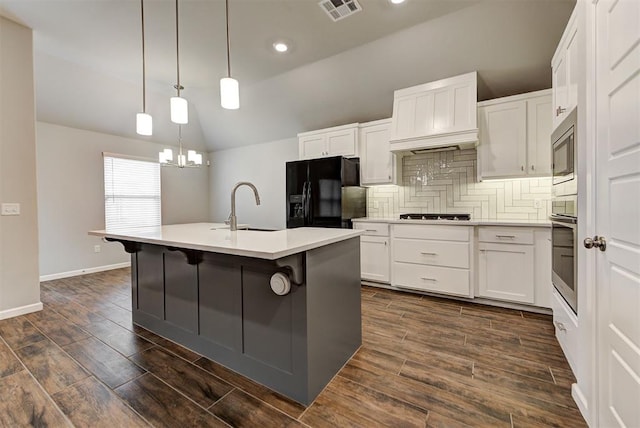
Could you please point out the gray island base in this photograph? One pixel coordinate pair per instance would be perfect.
(222, 306)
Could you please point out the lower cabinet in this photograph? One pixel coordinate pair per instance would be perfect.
(374, 251)
(374, 258)
(505, 272)
(514, 264)
(566, 324)
(432, 258)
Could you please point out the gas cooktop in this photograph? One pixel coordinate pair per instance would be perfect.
(435, 216)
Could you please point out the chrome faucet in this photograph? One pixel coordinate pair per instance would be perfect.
(233, 221)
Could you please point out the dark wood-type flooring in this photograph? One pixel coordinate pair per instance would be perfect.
(423, 362)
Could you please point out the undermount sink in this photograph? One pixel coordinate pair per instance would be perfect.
(257, 229)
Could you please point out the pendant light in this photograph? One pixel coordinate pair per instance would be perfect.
(179, 106)
(144, 121)
(190, 160)
(229, 87)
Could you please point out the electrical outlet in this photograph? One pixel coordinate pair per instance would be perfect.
(11, 209)
(96, 248)
(537, 203)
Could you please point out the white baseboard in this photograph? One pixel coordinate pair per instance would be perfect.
(14, 312)
(83, 271)
(581, 401)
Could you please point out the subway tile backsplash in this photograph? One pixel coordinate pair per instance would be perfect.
(445, 182)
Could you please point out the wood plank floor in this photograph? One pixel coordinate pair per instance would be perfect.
(423, 362)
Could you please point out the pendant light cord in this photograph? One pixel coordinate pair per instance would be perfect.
(228, 42)
(144, 83)
(177, 53)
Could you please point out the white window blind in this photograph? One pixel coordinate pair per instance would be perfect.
(131, 192)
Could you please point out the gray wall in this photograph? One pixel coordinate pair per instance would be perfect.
(264, 166)
(19, 285)
(71, 195)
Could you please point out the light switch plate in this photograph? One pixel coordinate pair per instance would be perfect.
(11, 209)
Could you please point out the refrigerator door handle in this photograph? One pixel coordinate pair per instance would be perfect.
(308, 201)
(304, 201)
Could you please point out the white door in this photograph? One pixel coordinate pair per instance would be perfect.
(505, 272)
(312, 146)
(618, 211)
(342, 143)
(503, 139)
(376, 160)
(539, 112)
(374, 258)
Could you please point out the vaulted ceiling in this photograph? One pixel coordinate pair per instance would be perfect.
(88, 61)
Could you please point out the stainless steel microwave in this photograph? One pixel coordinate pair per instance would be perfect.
(564, 160)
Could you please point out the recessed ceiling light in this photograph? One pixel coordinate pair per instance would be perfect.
(280, 47)
(396, 1)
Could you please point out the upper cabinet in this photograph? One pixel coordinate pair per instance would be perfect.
(377, 164)
(565, 72)
(435, 114)
(515, 136)
(336, 141)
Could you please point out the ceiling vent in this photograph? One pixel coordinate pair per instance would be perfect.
(338, 9)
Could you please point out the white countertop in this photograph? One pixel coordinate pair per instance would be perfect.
(480, 222)
(217, 238)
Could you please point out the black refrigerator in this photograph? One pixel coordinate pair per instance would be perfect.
(324, 192)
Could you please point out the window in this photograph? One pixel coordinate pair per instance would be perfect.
(131, 192)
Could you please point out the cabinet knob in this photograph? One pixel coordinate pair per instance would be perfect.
(521, 167)
(560, 326)
(533, 168)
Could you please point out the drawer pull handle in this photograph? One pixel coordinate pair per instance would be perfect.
(506, 236)
(428, 254)
(560, 326)
(428, 279)
(370, 230)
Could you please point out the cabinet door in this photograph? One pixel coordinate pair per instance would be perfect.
(506, 272)
(312, 146)
(376, 160)
(503, 139)
(559, 84)
(342, 143)
(374, 258)
(539, 117)
(573, 70)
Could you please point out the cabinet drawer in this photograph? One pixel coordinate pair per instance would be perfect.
(432, 278)
(428, 252)
(432, 231)
(506, 235)
(373, 229)
(566, 325)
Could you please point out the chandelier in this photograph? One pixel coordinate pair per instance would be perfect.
(191, 160)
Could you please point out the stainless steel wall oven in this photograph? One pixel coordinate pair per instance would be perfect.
(563, 248)
(564, 210)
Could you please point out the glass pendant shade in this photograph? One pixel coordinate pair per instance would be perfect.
(179, 110)
(194, 157)
(144, 124)
(165, 156)
(229, 93)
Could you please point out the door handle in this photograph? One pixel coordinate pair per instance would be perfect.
(596, 242)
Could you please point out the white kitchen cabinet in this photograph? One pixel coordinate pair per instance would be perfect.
(378, 165)
(565, 69)
(435, 113)
(514, 264)
(515, 136)
(566, 326)
(434, 258)
(336, 141)
(374, 251)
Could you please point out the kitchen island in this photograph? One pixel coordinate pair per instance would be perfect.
(280, 307)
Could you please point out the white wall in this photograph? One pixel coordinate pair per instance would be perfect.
(264, 166)
(19, 284)
(71, 195)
